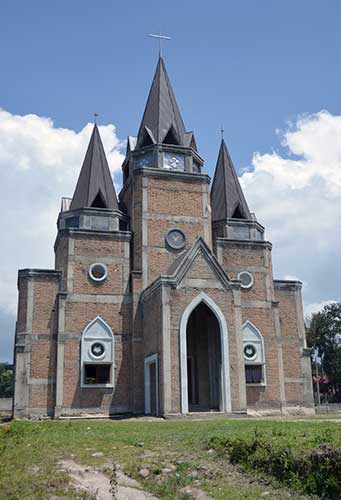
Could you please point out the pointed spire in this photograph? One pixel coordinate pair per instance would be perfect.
(227, 198)
(95, 187)
(161, 119)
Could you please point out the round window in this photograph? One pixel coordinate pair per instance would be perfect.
(97, 349)
(98, 272)
(250, 351)
(246, 278)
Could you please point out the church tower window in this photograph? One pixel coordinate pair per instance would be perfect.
(97, 355)
(253, 353)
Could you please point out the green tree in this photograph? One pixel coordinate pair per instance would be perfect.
(6, 380)
(324, 336)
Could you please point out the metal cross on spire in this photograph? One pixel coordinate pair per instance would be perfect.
(160, 38)
(222, 132)
(95, 117)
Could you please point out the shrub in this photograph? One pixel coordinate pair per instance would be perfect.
(317, 471)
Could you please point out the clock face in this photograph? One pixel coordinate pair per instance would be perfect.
(173, 161)
(176, 239)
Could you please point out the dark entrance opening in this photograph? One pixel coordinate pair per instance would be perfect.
(203, 360)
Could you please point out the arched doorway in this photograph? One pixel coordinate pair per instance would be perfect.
(203, 360)
(217, 392)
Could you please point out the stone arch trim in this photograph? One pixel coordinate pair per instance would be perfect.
(253, 327)
(102, 322)
(226, 385)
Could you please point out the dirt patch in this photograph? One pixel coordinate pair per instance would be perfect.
(97, 485)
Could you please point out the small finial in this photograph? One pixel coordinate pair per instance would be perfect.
(222, 132)
(95, 117)
(160, 38)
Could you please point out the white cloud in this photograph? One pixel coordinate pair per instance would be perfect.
(39, 163)
(296, 194)
(316, 307)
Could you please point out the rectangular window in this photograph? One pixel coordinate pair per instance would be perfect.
(254, 374)
(97, 374)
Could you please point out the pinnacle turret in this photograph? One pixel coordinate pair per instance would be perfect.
(95, 188)
(162, 121)
(227, 198)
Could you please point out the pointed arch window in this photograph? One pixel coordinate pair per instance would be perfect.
(97, 355)
(253, 353)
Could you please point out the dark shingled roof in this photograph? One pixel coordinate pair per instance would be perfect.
(161, 117)
(95, 187)
(227, 198)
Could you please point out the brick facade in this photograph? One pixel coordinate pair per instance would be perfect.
(140, 312)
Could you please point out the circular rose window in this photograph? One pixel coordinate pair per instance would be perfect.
(98, 272)
(246, 278)
(250, 351)
(97, 349)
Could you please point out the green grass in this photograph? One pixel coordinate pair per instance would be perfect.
(30, 452)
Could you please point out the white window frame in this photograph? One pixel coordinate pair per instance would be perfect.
(255, 343)
(250, 285)
(85, 351)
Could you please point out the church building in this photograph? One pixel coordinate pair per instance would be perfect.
(162, 300)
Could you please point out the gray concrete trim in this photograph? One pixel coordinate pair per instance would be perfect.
(220, 256)
(292, 380)
(289, 341)
(289, 284)
(174, 218)
(300, 317)
(40, 336)
(201, 283)
(39, 273)
(69, 336)
(244, 243)
(42, 381)
(144, 236)
(240, 355)
(105, 411)
(106, 260)
(171, 175)
(70, 264)
(118, 337)
(30, 306)
(93, 233)
(256, 304)
(238, 222)
(100, 299)
(166, 352)
(241, 267)
(279, 355)
(226, 385)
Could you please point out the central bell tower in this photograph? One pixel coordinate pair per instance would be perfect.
(165, 192)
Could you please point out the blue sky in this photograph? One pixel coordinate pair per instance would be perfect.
(266, 70)
(251, 65)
